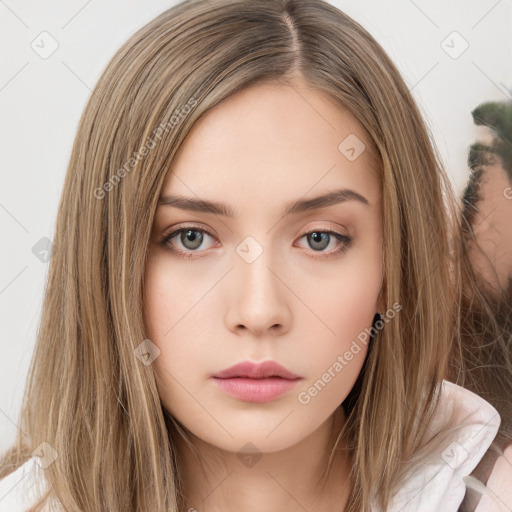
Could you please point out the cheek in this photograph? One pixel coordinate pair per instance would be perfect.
(337, 322)
(337, 332)
(343, 297)
(172, 305)
(172, 294)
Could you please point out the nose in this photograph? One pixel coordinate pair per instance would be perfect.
(259, 299)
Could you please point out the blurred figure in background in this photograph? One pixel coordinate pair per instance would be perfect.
(486, 314)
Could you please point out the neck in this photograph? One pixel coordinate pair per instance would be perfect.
(216, 480)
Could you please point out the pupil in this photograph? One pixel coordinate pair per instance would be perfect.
(317, 238)
(192, 236)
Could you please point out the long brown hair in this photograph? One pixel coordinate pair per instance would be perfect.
(87, 395)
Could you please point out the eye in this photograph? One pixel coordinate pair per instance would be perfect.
(190, 237)
(319, 240)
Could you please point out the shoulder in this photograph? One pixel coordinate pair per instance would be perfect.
(21, 489)
(436, 478)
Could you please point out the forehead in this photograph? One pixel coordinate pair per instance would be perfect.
(276, 142)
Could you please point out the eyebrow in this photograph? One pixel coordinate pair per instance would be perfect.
(299, 206)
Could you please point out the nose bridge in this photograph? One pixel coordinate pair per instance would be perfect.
(260, 296)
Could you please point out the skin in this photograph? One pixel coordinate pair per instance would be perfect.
(492, 256)
(258, 150)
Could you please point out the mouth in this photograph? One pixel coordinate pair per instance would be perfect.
(248, 369)
(258, 390)
(256, 382)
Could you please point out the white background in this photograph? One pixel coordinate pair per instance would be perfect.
(41, 101)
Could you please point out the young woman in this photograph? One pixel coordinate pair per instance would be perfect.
(253, 302)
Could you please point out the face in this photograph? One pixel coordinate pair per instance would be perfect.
(256, 282)
(492, 257)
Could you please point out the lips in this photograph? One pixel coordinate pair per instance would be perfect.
(252, 370)
(252, 382)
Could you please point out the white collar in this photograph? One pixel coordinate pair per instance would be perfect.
(437, 484)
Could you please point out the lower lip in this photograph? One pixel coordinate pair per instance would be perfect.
(256, 390)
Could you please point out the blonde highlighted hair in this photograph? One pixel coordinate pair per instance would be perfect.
(87, 395)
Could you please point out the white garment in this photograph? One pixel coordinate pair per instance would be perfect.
(438, 484)
(435, 486)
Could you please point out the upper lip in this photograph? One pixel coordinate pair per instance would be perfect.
(256, 371)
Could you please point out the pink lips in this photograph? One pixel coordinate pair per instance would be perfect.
(256, 382)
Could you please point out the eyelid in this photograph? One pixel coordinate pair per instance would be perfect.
(188, 225)
(324, 229)
(172, 232)
(201, 227)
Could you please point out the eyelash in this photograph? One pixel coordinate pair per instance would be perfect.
(346, 241)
